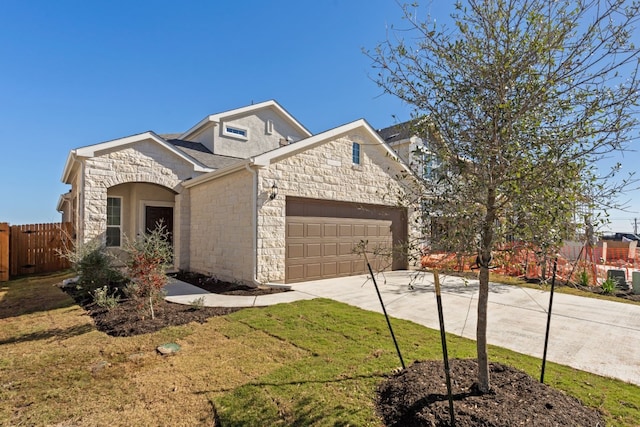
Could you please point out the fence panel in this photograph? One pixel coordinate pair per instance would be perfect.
(34, 248)
(4, 251)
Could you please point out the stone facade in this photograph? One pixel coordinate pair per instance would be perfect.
(142, 162)
(221, 227)
(324, 172)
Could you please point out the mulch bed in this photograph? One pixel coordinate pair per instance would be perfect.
(127, 320)
(417, 397)
(211, 284)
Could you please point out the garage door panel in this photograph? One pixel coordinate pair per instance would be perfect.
(345, 230)
(330, 230)
(330, 269)
(345, 248)
(359, 230)
(313, 271)
(295, 229)
(295, 250)
(330, 249)
(344, 268)
(313, 250)
(295, 272)
(372, 230)
(314, 230)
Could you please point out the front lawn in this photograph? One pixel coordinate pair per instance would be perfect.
(314, 362)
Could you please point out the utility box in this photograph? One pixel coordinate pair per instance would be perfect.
(635, 280)
(620, 277)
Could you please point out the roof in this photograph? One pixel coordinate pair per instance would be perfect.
(217, 118)
(397, 132)
(202, 154)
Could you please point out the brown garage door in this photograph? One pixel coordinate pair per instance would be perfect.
(321, 237)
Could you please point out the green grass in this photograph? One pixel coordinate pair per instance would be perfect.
(314, 362)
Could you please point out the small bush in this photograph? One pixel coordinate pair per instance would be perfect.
(608, 286)
(103, 299)
(150, 255)
(197, 303)
(93, 265)
(583, 278)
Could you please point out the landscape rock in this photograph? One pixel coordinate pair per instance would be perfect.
(168, 349)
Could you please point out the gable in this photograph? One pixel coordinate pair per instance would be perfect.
(167, 154)
(337, 153)
(247, 131)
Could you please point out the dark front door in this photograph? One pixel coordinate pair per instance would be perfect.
(156, 215)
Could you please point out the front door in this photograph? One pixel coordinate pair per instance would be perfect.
(155, 215)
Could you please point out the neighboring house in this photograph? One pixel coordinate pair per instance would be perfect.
(247, 194)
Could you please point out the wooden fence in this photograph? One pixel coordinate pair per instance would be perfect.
(33, 248)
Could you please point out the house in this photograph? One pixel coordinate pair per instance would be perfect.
(247, 194)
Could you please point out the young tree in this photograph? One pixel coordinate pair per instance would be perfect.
(520, 100)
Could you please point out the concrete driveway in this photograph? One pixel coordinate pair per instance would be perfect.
(597, 336)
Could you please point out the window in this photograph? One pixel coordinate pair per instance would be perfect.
(268, 127)
(356, 153)
(114, 221)
(235, 132)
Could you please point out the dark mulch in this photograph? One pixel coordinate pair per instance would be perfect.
(126, 319)
(417, 397)
(211, 284)
(618, 293)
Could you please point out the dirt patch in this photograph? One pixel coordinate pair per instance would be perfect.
(417, 397)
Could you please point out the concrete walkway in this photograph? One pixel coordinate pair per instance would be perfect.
(597, 336)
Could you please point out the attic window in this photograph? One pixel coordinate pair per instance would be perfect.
(236, 132)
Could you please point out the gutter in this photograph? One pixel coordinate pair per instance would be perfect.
(254, 220)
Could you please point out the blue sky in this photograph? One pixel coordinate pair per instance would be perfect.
(76, 73)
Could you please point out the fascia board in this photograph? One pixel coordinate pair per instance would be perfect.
(297, 147)
(219, 117)
(91, 150)
(202, 123)
(68, 166)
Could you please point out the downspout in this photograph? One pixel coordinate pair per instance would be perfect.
(254, 219)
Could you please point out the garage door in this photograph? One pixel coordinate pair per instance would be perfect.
(321, 237)
(321, 248)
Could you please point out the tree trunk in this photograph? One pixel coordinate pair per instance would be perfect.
(486, 246)
(481, 332)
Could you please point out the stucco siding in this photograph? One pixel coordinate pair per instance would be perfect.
(261, 136)
(221, 232)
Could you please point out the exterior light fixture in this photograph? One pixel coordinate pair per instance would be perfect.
(274, 191)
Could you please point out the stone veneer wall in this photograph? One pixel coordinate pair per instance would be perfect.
(324, 172)
(145, 161)
(221, 242)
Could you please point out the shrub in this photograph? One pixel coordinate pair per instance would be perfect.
(608, 286)
(93, 265)
(197, 303)
(583, 278)
(150, 255)
(103, 299)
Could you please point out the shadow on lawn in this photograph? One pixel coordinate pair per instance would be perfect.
(32, 295)
(58, 334)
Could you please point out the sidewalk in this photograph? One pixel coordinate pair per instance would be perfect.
(594, 335)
